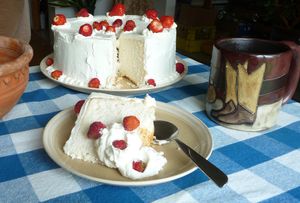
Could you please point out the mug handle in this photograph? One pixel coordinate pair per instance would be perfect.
(294, 71)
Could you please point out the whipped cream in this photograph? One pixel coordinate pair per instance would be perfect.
(122, 159)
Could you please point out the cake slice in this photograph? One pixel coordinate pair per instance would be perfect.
(109, 110)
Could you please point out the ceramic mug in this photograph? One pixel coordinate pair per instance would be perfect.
(250, 80)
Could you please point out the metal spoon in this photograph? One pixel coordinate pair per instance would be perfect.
(167, 131)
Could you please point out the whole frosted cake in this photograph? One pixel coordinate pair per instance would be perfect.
(116, 132)
(96, 51)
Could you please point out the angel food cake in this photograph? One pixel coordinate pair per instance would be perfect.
(116, 132)
(95, 51)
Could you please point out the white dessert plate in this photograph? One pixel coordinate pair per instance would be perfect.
(115, 91)
(191, 131)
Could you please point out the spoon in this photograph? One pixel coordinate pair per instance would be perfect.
(166, 131)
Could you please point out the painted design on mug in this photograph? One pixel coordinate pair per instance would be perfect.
(240, 102)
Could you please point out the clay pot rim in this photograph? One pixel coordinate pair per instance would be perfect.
(24, 58)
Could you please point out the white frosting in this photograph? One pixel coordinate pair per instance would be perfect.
(82, 58)
(135, 151)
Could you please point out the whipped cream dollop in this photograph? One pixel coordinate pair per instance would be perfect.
(123, 159)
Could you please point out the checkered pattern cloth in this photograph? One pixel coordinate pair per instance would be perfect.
(261, 166)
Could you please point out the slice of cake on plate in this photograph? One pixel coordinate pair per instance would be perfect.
(117, 132)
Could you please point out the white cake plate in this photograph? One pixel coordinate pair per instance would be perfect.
(115, 91)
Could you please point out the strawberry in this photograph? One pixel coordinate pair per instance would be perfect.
(130, 123)
(59, 19)
(155, 26)
(94, 83)
(82, 13)
(117, 23)
(138, 166)
(151, 13)
(167, 21)
(78, 106)
(96, 25)
(110, 29)
(179, 68)
(49, 61)
(86, 30)
(117, 10)
(129, 25)
(95, 130)
(56, 74)
(100, 25)
(151, 82)
(120, 144)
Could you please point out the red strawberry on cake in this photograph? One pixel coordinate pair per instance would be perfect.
(131, 123)
(49, 61)
(86, 30)
(110, 29)
(78, 106)
(102, 25)
(151, 82)
(117, 10)
(155, 26)
(59, 19)
(120, 144)
(82, 13)
(56, 74)
(117, 23)
(129, 26)
(138, 166)
(94, 83)
(179, 68)
(167, 21)
(151, 13)
(95, 130)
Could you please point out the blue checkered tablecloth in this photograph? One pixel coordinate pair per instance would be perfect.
(261, 166)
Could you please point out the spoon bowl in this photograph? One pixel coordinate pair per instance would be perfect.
(167, 131)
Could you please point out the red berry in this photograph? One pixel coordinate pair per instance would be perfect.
(120, 144)
(179, 68)
(100, 25)
(130, 123)
(110, 29)
(86, 30)
(117, 10)
(96, 25)
(49, 61)
(94, 83)
(138, 166)
(155, 26)
(103, 24)
(167, 21)
(117, 23)
(151, 13)
(95, 130)
(78, 106)
(151, 82)
(82, 13)
(129, 25)
(59, 19)
(56, 74)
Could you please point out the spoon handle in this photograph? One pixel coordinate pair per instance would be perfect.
(214, 173)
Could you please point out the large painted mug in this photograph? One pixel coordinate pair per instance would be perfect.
(250, 80)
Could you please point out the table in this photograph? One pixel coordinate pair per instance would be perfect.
(261, 166)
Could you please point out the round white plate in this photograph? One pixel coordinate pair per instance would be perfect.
(115, 91)
(191, 131)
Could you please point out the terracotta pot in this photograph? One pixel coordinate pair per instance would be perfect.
(14, 71)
